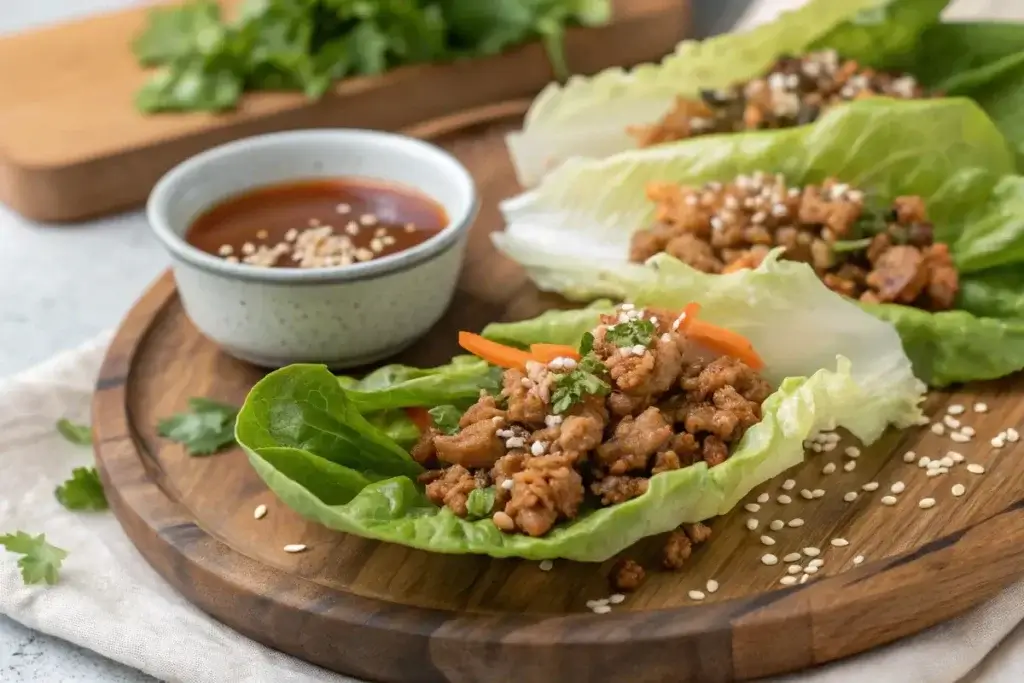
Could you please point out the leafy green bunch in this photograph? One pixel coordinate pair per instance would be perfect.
(206, 61)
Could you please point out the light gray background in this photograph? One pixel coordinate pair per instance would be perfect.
(60, 286)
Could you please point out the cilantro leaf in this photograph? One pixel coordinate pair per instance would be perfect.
(75, 433)
(446, 418)
(176, 32)
(83, 491)
(40, 561)
(206, 428)
(480, 502)
(632, 333)
(586, 343)
(571, 387)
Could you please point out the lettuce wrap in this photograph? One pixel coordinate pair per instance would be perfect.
(572, 232)
(833, 366)
(588, 117)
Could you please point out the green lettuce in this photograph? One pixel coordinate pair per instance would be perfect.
(588, 117)
(572, 232)
(305, 438)
(401, 386)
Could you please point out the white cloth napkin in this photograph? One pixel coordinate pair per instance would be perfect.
(110, 601)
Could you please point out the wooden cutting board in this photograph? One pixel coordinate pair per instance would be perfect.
(73, 146)
(389, 613)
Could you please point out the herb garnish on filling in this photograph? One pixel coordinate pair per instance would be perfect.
(631, 333)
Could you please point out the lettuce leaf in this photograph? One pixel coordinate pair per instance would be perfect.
(401, 386)
(588, 116)
(327, 480)
(572, 232)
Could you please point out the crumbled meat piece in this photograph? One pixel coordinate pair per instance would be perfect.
(620, 405)
(943, 279)
(715, 451)
(614, 490)
(646, 243)
(634, 442)
(626, 576)
(900, 275)
(910, 210)
(484, 409)
(424, 452)
(838, 215)
(728, 371)
(686, 448)
(525, 405)
(880, 244)
(701, 418)
(546, 490)
(746, 412)
(665, 461)
(694, 252)
(630, 373)
(477, 445)
(676, 551)
(698, 532)
(452, 489)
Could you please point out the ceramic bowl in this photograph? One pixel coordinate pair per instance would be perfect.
(342, 316)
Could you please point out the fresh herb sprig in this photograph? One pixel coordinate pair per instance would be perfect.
(206, 428)
(40, 562)
(206, 62)
(83, 491)
(78, 434)
(587, 378)
(638, 332)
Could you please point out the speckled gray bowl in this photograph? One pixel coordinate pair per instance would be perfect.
(343, 316)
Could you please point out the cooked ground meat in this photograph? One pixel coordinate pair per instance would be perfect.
(793, 91)
(877, 257)
(666, 404)
(626, 576)
(679, 544)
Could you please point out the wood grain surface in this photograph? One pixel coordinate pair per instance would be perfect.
(388, 613)
(72, 144)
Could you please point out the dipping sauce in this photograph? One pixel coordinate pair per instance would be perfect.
(317, 223)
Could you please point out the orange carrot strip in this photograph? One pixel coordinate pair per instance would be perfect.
(545, 353)
(493, 352)
(420, 417)
(725, 342)
(690, 312)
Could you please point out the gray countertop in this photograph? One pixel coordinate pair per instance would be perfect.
(60, 286)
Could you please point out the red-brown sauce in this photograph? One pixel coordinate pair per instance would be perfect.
(317, 223)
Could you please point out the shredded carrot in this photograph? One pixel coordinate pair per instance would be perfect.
(420, 417)
(493, 352)
(725, 342)
(690, 312)
(545, 353)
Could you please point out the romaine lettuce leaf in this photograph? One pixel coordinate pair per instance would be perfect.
(401, 386)
(328, 480)
(572, 232)
(588, 117)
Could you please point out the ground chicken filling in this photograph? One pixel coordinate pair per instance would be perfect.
(876, 256)
(568, 435)
(794, 91)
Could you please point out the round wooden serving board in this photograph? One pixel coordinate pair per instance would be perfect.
(388, 613)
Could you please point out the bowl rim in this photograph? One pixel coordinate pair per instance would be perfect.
(160, 197)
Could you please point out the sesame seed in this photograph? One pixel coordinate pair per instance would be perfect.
(819, 563)
(954, 456)
(818, 493)
(788, 580)
(601, 609)
(711, 586)
(538, 447)
(959, 437)
(767, 540)
(811, 551)
(967, 430)
(839, 542)
(763, 498)
(776, 525)
(1012, 435)
(998, 441)
(789, 484)
(752, 524)
(955, 409)
(850, 496)
(958, 490)
(810, 569)
(926, 503)
(981, 407)
(794, 569)
(313, 222)
(546, 565)
(828, 447)
(938, 429)
(951, 422)
(616, 598)
(850, 466)
(226, 250)
(816, 447)
(343, 208)
(796, 522)
(515, 442)
(639, 350)
(262, 234)
(829, 468)
(909, 456)
(946, 462)
(898, 487)
(696, 595)
(260, 512)
(936, 473)
(769, 559)
(975, 468)
(295, 547)
(591, 604)
(368, 219)
(784, 499)
(751, 507)
(804, 578)
(248, 248)
(924, 461)
(852, 451)
(888, 500)
(934, 464)
(806, 494)
(858, 559)
(507, 484)
(870, 486)
(792, 557)
(552, 420)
